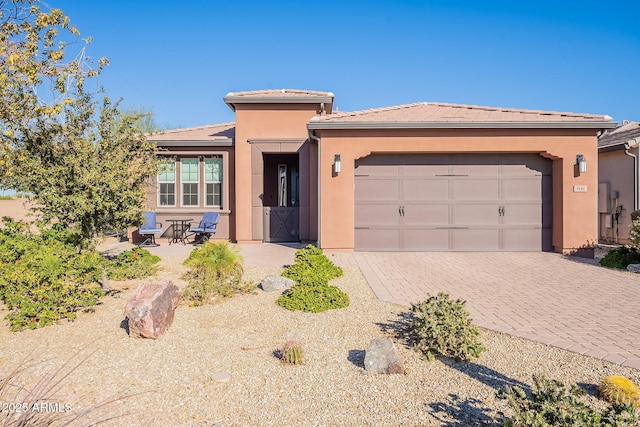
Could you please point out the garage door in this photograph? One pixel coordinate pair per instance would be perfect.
(453, 202)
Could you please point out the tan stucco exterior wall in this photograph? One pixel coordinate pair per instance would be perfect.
(269, 128)
(615, 168)
(574, 220)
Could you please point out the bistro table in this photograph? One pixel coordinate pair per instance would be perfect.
(180, 228)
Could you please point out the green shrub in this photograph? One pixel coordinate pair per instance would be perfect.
(440, 325)
(314, 298)
(215, 270)
(311, 267)
(621, 257)
(43, 279)
(135, 263)
(312, 271)
(551, 405)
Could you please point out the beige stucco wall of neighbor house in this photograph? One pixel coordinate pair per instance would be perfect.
(269, 129)
(18, 209)
(616, 171)
(574, 220)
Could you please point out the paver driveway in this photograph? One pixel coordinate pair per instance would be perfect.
(543, 297)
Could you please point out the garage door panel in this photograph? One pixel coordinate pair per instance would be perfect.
(368, 214)
(425, 189)
(475, 239)
(473, 170)
(475, 189)
(522, 189)
(378, 189)
(377, 170)
(425, 170)
(475, 214)
(522, 214)
(426, 214)
(522, 239)
(425, 239)
(373, 239)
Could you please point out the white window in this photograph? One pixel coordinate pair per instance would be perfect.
(213, 181)
(167, 183)
(190, 179)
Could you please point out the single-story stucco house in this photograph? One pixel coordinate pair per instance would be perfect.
(426, 176)
(619, 181)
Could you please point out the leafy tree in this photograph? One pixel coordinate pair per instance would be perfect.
(145, 119)
(85, 162)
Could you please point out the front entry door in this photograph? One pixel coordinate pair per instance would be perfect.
(281, 224)
(281, 212)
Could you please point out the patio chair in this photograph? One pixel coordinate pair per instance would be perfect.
(206, 227)
(149, 229)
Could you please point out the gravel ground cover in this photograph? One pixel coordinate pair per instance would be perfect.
(175, 380)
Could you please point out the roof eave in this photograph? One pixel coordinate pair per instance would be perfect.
(232, 101)
(461, 125)
(226, 142)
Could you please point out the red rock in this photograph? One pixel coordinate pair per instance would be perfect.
(151, 308)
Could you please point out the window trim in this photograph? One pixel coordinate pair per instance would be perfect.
(196, 182)
(205, 193)
(167, 160)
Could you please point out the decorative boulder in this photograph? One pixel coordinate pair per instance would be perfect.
(276, 283)
(151, 308)
(634, 268)
(382, 357)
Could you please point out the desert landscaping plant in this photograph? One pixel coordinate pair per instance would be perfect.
(37, 404)
(552, 405)
(621, 390)
(292, 353)
(621, 257)
(135, 263)
(312, 271)
(440, 325)
(84, 161)
(44, 278)
(215, 270)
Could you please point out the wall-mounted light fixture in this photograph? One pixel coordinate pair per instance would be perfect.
(582, 163)
(337, 164)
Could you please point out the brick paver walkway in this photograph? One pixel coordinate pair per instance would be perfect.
(543, 297)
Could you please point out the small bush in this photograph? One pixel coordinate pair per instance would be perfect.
(292, 353)
(440, 325)
(135, 263)
(551, 405)
(215, 270)
(616, 389)
(313, 298)
(312, 267)
(312, 293)
(621, 257)
(43, 278)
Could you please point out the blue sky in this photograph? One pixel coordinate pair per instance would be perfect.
(180, 58)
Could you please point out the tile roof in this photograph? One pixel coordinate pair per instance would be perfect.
(223, 131)
(443, 113)
(276, 96)
(620, 135)
(280, 93)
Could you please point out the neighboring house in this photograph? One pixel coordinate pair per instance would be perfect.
(619, 196)
(415, 177)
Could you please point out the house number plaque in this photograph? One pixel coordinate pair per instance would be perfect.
(579, 188)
